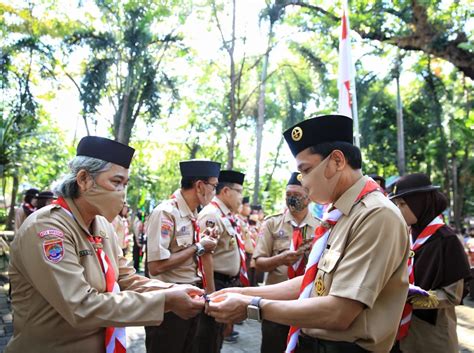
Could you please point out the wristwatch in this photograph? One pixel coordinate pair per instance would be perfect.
(199, 249)
(253, 309)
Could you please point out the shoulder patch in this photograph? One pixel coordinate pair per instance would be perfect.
(53, 250)
(166, 229)
(51, 233)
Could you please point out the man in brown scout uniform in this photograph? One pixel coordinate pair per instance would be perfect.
(72, 288)
(174, 249)
(282, 249)
(229, 256)
(27, 207)
(353, 291)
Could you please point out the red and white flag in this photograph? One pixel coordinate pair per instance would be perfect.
(346, 67)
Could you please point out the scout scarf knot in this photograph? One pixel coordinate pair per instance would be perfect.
(297, 269)
(115, 337)
(430, 229)
(319, 244)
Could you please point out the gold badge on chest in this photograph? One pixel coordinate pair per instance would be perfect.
(319, 287)
(232, 242)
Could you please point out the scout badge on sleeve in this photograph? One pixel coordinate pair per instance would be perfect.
(53, 250)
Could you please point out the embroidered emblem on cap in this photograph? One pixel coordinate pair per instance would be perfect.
(53, 250)
(296, 133)
(299, 177)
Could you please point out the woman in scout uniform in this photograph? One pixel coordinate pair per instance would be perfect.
(27, 207)
(178, 249)
(72, 290)
(439, 265)
(282, 251)
(351, 296)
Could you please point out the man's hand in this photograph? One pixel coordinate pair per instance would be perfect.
(289, 257)
(209, 243)
(184, 300)
(238, 290)
(228, 307)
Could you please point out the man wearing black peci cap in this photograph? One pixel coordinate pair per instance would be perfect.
(282, 250)
(352, 294)
(72, 290)
(45, 198)
(229, 256)
(176, 247)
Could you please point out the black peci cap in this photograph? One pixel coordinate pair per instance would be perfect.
(295, 179)
(317, 130)
(231, 176)
(32, 192)
(196, 168)
(46, 195)
(245, 200)
(106, 150)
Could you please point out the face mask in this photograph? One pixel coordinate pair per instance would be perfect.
(108, 203)
(321, 189)
(295, 203)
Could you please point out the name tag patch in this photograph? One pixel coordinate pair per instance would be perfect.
(53, 250)
(85, 253)
(48, 233)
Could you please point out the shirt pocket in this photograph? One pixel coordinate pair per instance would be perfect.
(326, 268)
(184, 234)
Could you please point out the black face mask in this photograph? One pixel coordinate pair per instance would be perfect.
(295, 203)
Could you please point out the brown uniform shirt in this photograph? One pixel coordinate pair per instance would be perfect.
(275, 237)
(58, 287)
(366, 260)
(424, 337)
(226, 256)
(169, 231)
(20, 217)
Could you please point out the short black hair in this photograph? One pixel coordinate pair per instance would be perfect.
(351, 152)
(188, 182)
(222, 185)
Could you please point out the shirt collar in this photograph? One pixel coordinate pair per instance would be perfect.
(183, 207)
(348, 198)
(308, 220)
(222, 205)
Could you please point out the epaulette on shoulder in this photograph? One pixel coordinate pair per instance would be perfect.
(273, 216)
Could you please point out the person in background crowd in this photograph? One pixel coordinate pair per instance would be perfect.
(45, 198)
(72, 290)
(379, 180)
(228, 259)
(139, 239)
(250, 237)
(121, 225)
(178, 249)
(282, 251)
(27, 207)
(439, 266)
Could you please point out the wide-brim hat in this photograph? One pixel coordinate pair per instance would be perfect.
(410, 184)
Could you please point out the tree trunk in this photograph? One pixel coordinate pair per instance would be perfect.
(400, 130)
(275, 162)
(11, 212)
(232, 101)
(261, 116)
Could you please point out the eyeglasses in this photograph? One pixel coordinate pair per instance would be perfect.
(237, 190)
(214, 186)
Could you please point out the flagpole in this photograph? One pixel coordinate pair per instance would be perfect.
(355, 115)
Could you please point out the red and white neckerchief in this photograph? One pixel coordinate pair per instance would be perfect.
(243, 276)
(430, 229)
(299, 233)
(196, 239)
(321, 236)
(115, 337)
(28, 207)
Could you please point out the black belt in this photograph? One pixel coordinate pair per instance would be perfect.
(317, 345)
(225, 278)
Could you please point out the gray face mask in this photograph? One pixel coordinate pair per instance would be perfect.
(295, 203)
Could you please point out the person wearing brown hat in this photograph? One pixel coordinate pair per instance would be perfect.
(439, 266)
(177, 250)
(282, 250)
(45, 198)
(351, 296)
(72, 290)
(27, 207)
